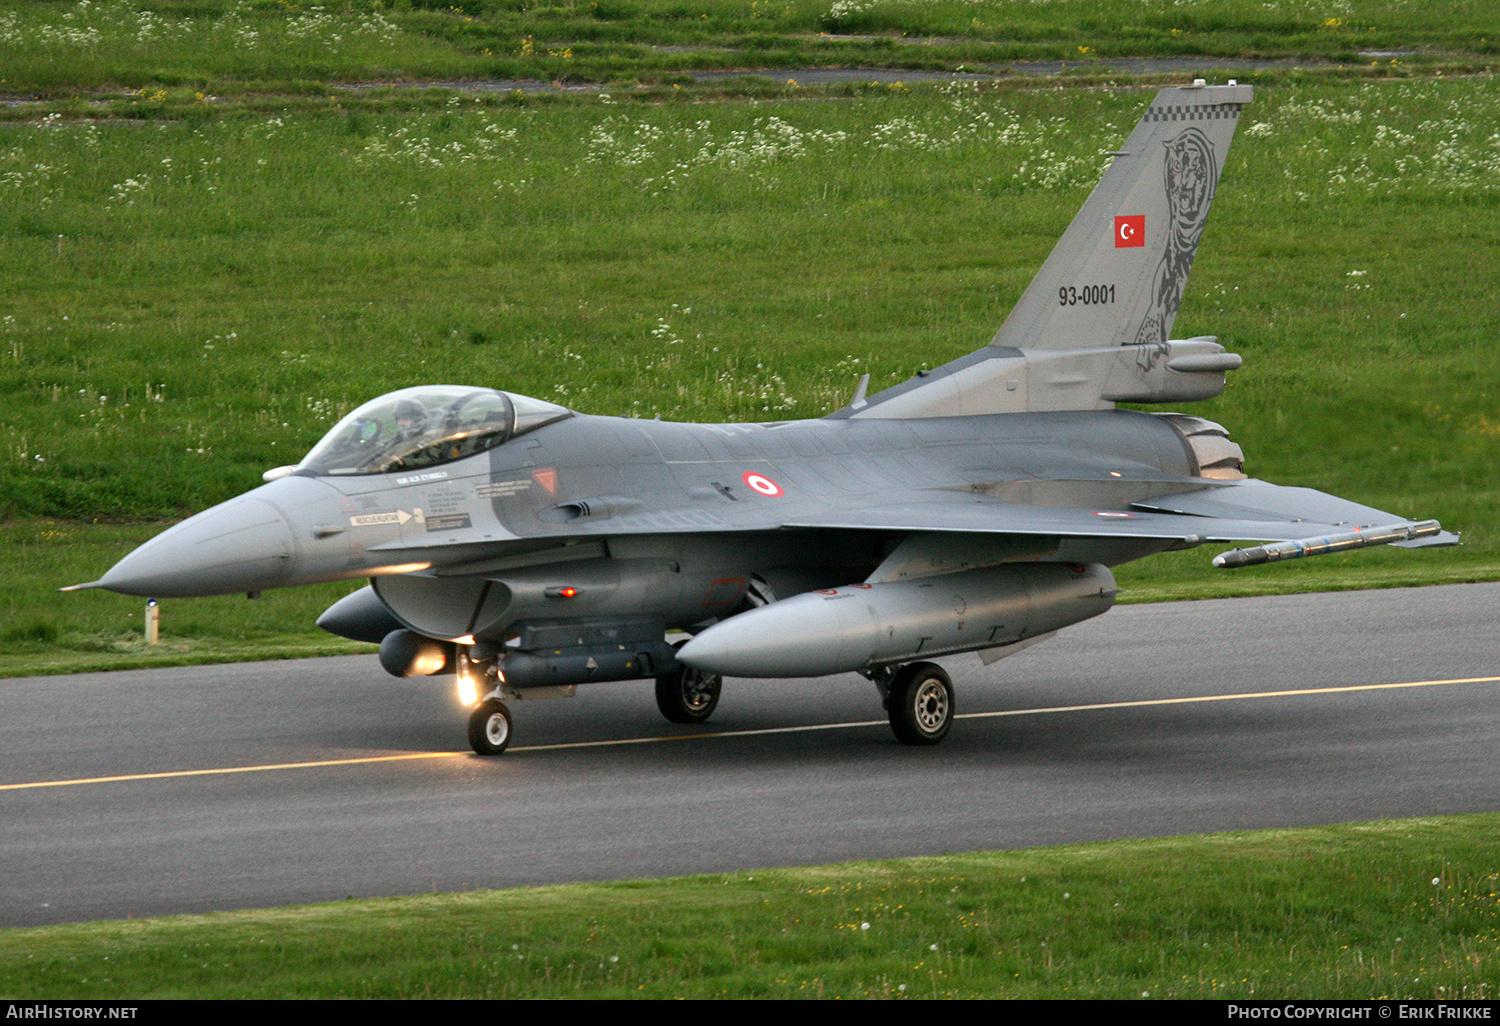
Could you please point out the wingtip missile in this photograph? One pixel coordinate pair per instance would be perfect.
(1357, 539)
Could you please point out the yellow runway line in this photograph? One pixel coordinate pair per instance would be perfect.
(170, 774)
(1225, 698)
(366, 760)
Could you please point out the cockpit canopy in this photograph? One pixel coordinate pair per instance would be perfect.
(425, 426)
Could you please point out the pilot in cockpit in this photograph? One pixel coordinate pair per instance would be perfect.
(411, 419)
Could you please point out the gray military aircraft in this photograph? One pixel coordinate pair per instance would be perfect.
(978, 507)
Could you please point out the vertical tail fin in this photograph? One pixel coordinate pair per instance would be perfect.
(1092, 327)
(1117, 274)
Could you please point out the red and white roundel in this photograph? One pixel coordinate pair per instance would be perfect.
(762, 484)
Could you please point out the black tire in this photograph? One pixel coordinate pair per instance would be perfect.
(687, 695)
(489, 727)
(921, 704)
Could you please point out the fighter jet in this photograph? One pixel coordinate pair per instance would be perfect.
(978, 507)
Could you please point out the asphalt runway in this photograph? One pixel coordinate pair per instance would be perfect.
(1222, 715)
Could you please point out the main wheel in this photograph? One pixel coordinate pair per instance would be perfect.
(489, 727)
(687, 695)
(921, 704)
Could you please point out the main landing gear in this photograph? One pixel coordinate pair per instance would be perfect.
(686, 695)
(919, 700)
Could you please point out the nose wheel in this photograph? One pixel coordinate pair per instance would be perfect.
(489, 727)
(920, 704)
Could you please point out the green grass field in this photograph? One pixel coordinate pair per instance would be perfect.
(1400, 909)
(189, 301)
(252, 45)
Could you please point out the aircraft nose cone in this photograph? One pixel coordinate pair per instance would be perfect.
(240, 545)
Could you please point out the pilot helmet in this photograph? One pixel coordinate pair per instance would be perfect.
(410, 415)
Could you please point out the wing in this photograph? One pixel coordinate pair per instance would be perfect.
(1277, 512)
(1247, 510)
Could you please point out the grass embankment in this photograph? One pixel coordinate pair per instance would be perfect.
(189, 303)
(43, 631)
(234, 46)
(1395, 909)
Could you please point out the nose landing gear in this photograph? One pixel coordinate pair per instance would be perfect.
(489, 727)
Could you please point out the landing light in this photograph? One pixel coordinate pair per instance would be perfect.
(396, 568)
(468, 690)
